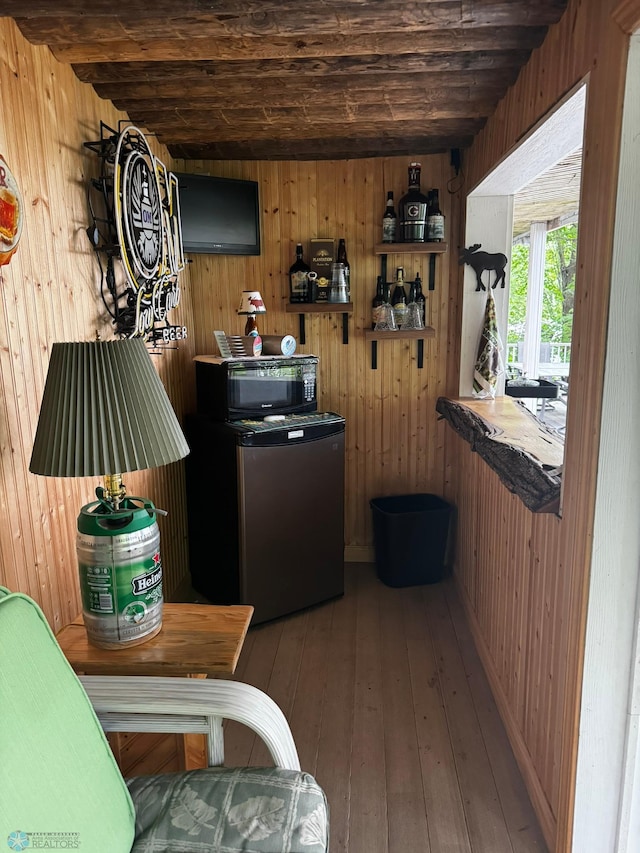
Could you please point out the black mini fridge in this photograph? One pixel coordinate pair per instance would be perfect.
(266, 511)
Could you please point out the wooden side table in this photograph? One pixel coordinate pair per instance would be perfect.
(196, 640)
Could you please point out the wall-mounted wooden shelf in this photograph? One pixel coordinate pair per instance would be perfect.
(415, 334)
(302, 308)
(431, 249)
(410, 248)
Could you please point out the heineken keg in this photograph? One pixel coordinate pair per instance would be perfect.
(120, 572)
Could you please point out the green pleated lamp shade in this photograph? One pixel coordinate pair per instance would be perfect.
(104, 411)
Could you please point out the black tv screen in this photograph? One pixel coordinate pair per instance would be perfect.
(219, 216)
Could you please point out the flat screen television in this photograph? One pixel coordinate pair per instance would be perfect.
(219, 216)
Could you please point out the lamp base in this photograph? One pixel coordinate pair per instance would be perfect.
(120, 573)
(104, 644)
(251, 326)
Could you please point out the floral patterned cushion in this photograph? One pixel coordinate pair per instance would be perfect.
(219, 810)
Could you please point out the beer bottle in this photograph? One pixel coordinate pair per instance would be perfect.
(413, 209)
(399, 298)
(420, 298)
(389, 221)
(435, 221)
(341, 258)
(378, 300)
(299, 278)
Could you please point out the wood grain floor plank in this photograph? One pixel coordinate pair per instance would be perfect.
(445, 811)
(405, 794)
(256, 669)
(284, 673)
(333, 768)
(483, 810)
(368, 827)
(522, 825)
(310, 696)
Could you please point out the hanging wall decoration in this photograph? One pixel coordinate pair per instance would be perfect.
(140, 227)
(10, 213)
(489, 365)
(481, 261)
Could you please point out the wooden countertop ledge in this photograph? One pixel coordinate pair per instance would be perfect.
(514, 443)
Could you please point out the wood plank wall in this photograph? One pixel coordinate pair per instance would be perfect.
(394, 440)
(524, 577)
(50, 292)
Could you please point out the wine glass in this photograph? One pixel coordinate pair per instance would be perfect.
(413, 318)
(386, 319)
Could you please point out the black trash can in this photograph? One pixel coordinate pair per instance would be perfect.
(410, 534)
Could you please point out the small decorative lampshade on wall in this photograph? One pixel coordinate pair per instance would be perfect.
(251, 304)
(105, 411)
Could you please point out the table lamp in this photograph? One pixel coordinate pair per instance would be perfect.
(251, 304)
(105, 411)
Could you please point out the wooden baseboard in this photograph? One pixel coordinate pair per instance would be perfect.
(548, 822)
(359, 554)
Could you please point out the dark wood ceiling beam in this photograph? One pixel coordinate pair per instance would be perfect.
(408, 63)
(292, 19)
(205, 113)
(126, 94)
(340, 148)
(319, 46)
(243, 128)
(58, 9)
(286, 122)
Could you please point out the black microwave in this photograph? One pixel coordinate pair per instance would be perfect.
(231, 389)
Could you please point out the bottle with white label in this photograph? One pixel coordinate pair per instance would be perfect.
(389, 221)
(435, 219)
(399, 298)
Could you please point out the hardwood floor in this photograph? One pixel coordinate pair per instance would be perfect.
(391, 712)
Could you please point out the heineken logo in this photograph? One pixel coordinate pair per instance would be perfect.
(146, 582)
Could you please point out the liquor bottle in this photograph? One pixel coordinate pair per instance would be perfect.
(378, 300)
(413, 209)
(389, 221)
(435, 220)
(399, 298)
(341, 258)
(299, 278)
(420, 298)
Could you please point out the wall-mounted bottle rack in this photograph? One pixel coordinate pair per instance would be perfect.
(384, 249)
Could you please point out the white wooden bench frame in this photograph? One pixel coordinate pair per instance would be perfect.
(188, 706)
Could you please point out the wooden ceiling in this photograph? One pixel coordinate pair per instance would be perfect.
(295, 79)
(554, 195)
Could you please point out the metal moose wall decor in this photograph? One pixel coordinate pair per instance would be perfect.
(481, 261)
(139, 226)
